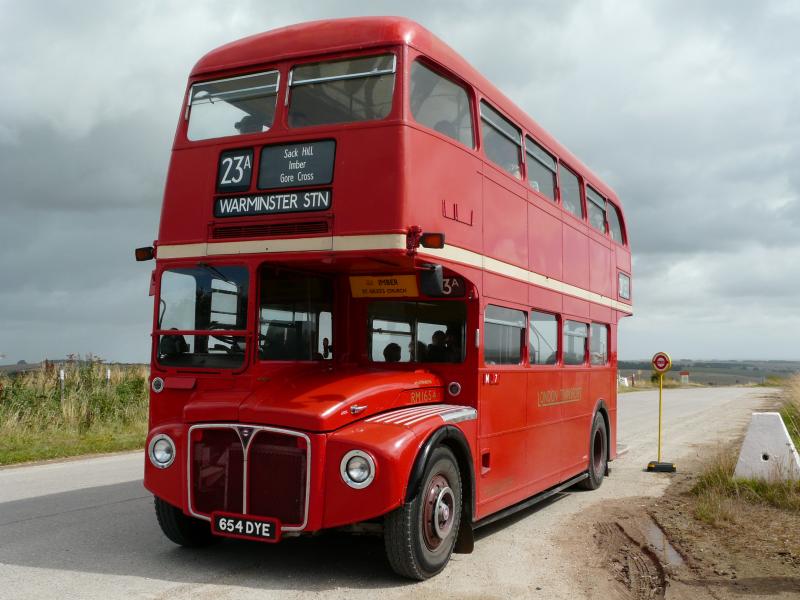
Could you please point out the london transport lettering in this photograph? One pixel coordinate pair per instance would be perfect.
(270, 204)
(553, 397)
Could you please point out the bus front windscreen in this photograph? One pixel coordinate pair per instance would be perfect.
(233, 106)
(198, 299)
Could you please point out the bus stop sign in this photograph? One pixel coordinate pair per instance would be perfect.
(661, 362)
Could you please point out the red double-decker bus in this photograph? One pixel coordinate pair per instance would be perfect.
(383, 295)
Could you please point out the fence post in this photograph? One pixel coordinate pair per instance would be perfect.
(61, 381)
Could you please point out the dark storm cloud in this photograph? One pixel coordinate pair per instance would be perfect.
(688, 109)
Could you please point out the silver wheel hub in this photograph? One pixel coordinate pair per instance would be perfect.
(443, 513)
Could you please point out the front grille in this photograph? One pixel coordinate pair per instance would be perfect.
(277, 477)
(217, 471)
(272, 472)
(224, 232)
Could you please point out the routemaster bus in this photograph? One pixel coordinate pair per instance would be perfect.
(385, 299)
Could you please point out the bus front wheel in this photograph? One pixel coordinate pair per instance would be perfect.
(420, 535)
(598, 454)
(183, 530)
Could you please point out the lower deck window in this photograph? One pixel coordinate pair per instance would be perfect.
(295, 316)
(543, 341)
(575, 336)
(504, 336)
(598, 344)
(421, 332)
(203, 298)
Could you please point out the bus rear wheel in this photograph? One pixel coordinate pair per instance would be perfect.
(183, 530)
(420, 535)
(598, 454)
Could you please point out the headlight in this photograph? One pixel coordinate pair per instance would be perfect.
(161, 451)
(358, 469)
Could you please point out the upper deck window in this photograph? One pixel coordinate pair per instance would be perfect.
(440, 104)
(615, 224)
(232, 106)
(541, 169)
(570, 188)
(597, 210)
(342, 91)
(502, 140)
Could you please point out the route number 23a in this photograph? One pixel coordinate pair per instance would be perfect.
(452, 286)
(235, 169)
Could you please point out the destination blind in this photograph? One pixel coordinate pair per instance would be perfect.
(272, 204)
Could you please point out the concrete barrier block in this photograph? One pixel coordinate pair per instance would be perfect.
(768, 452)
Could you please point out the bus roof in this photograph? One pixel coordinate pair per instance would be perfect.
(337, 35)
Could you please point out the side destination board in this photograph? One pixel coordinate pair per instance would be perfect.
(296, 165)
(272, 204)
(384, 286)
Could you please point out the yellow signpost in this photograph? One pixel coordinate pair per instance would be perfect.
(662, 363)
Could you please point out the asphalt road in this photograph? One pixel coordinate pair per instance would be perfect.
(86, 528)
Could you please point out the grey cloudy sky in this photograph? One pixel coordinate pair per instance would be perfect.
(689, 109)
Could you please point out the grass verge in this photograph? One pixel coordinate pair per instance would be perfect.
(719, 494)
(92, 415)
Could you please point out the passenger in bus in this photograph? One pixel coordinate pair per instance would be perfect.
(437, 349)
(452, 344)
(250, 124)
(417, 351)
(392, 352)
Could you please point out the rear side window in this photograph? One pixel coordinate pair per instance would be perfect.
(504, 336)
(598, 344)
(541, 169)
(597, 209)
(502, 140)
(570, 188)
(440, 104)
(543, 339)
(615, 224)
(343, 91)
(575, 336)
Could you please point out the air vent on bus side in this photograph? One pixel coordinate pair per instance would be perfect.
(224, 232)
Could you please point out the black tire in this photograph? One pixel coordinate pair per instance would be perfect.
(413, 543)
(598, 454)
(183, 530)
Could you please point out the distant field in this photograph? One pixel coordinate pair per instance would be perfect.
(92, 415)
(719, 372)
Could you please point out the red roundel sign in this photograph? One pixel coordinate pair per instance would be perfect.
(661, 362)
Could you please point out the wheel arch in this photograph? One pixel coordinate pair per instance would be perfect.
(454, 439)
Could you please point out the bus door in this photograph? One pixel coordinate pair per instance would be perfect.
(503, 393)
(546, 450)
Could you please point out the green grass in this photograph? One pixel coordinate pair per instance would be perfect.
(92, 416)
(719, 493)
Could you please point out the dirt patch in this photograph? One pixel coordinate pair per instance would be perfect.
(652, 548)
